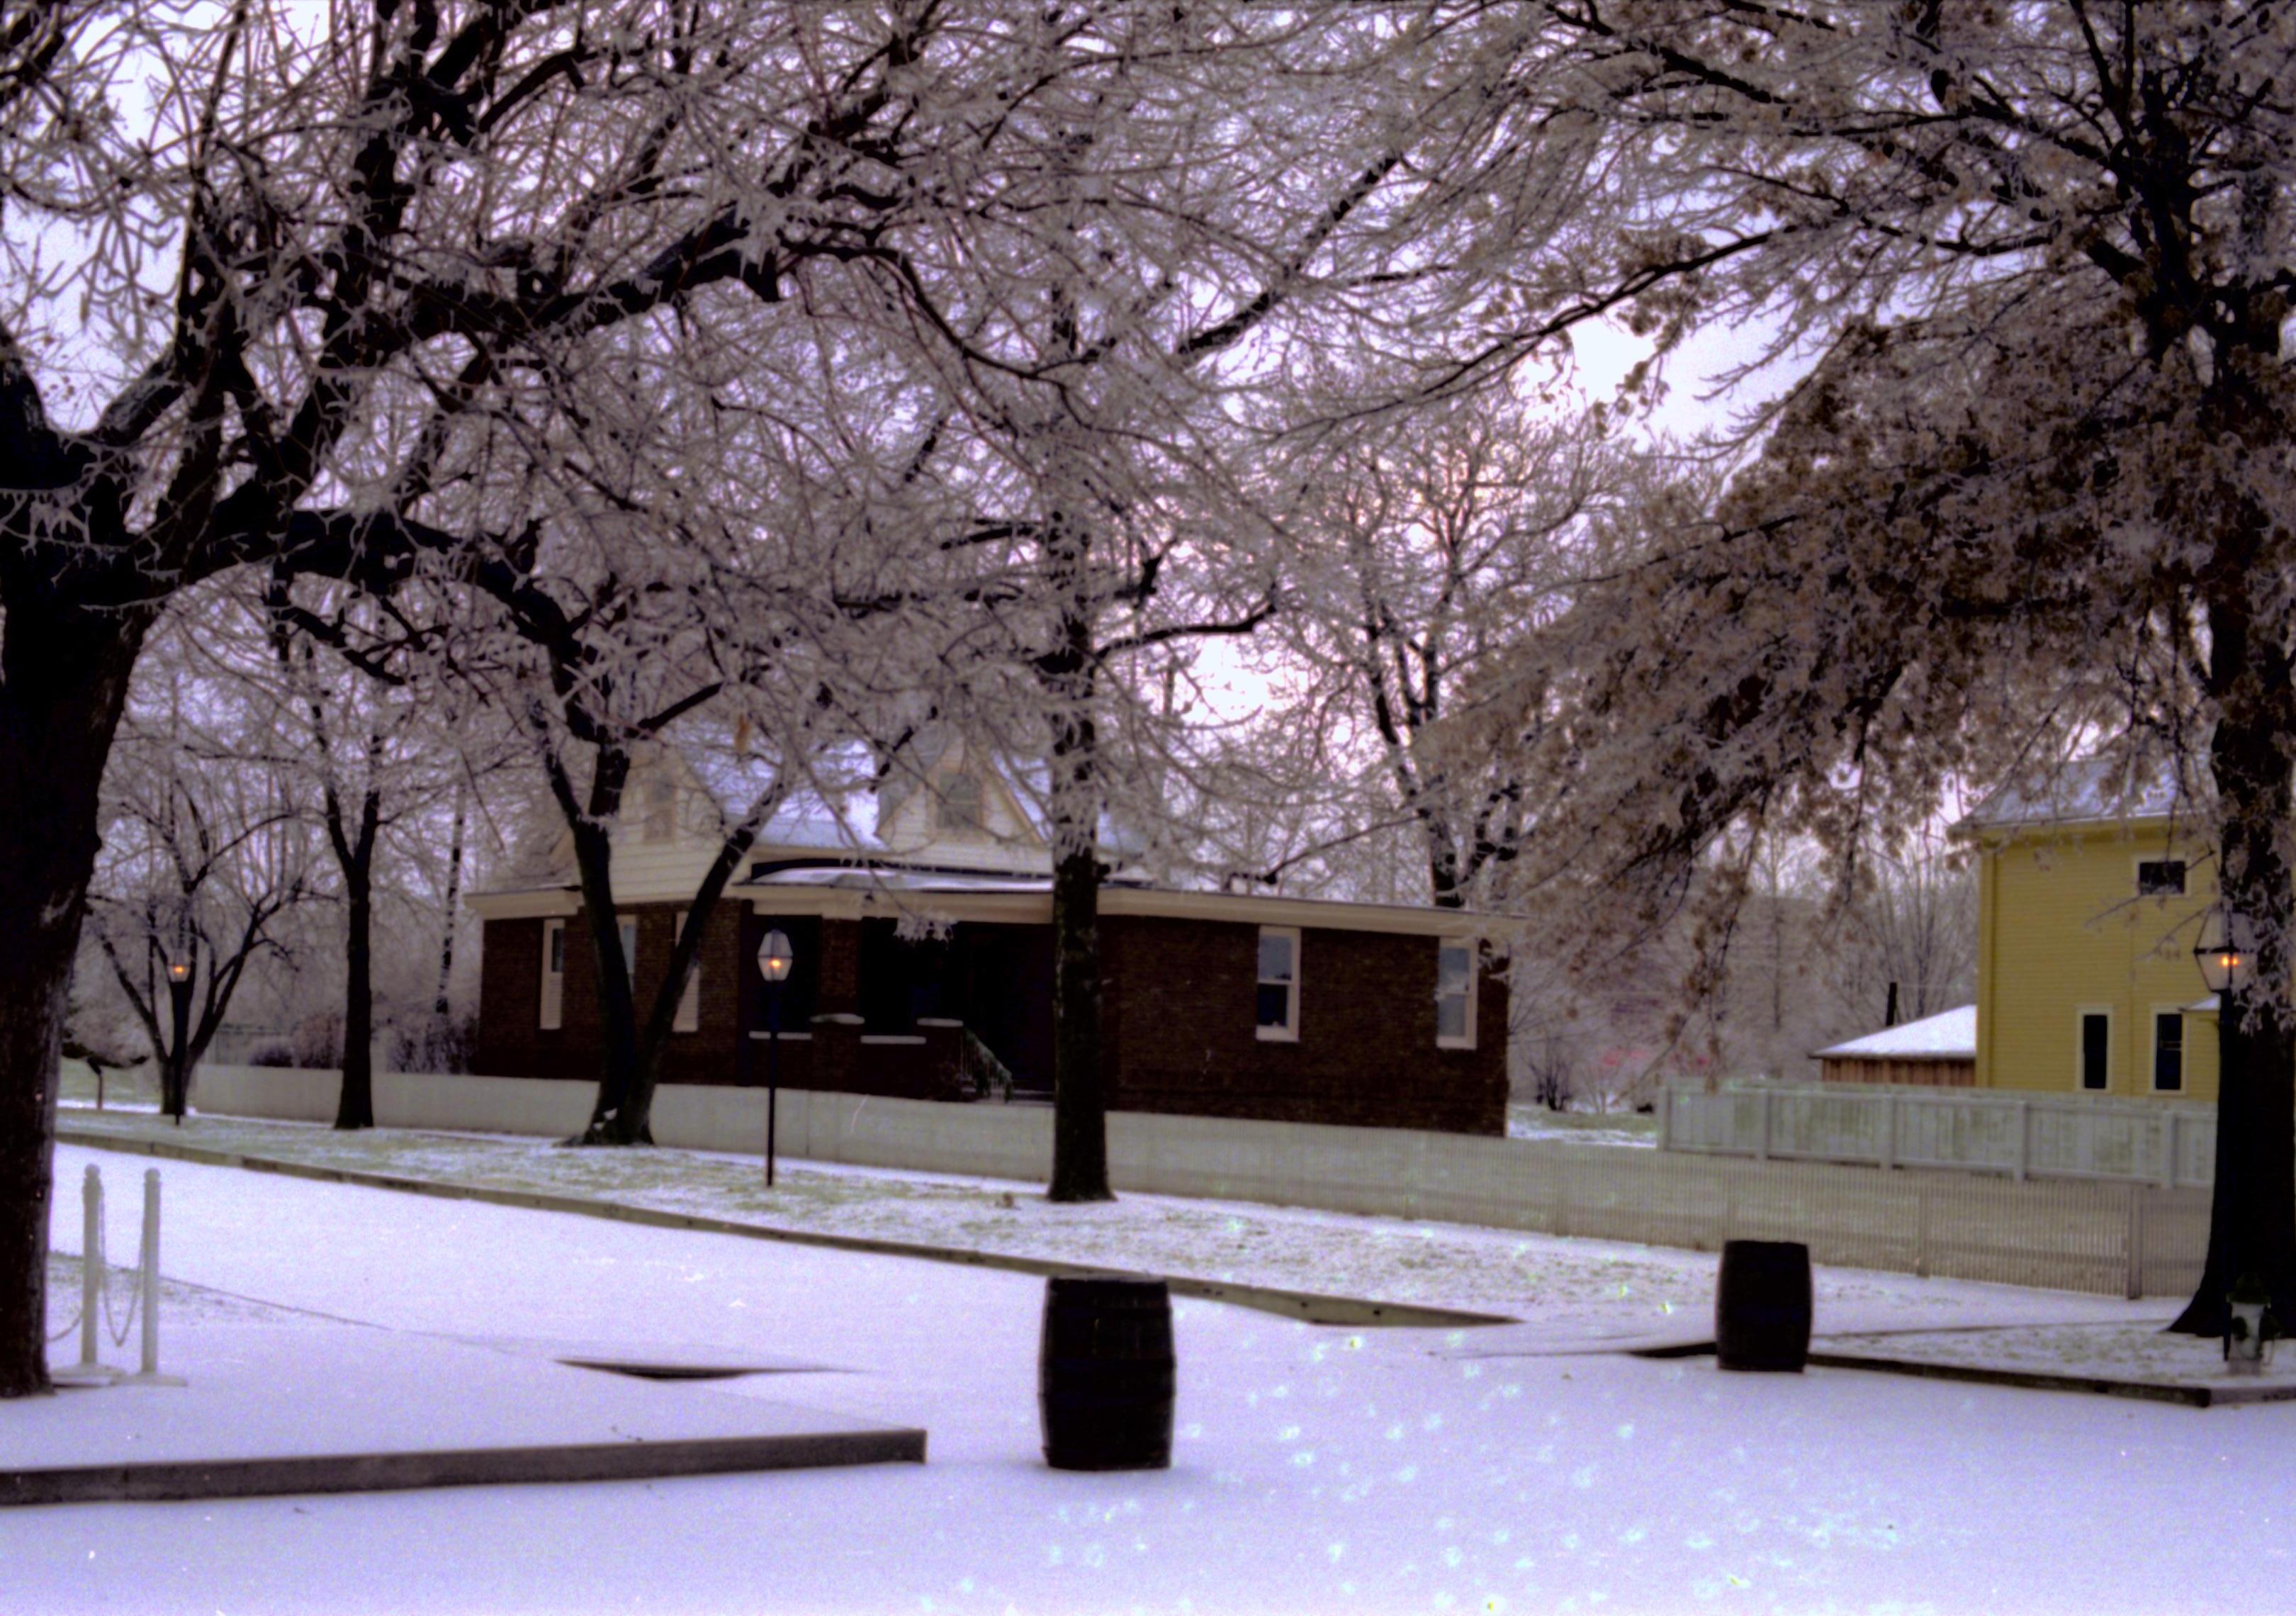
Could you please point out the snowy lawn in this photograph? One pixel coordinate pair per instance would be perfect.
(1315, 1468)
(1583, 1127)
(1616, 1289)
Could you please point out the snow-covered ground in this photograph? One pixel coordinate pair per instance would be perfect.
(1315, 1468)
(1638, 1129)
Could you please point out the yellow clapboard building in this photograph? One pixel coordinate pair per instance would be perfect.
(2090, 901)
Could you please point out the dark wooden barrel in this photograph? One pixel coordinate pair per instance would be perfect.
(1761, 1306)
(1105, 1374)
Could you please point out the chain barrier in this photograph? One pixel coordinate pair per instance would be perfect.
(95, 1282)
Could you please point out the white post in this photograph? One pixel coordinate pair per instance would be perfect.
(151, 1275)
(2135, 1237)
(2168, 1152)
(91, 1265)
(2024, 1137)
(1888, 1131)
(1762, 1150)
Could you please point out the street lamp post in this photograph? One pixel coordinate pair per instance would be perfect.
(2226, 956)
(774, 959)
(179, 996)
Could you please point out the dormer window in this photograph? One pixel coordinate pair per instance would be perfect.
(660, 810)
(959, 803)
(2160, 878)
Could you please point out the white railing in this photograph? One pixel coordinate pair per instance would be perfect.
(2171, 1142)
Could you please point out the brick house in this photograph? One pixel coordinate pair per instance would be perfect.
(920, 919)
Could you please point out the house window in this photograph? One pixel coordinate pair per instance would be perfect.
(959, 803)
(661, 810)
(629, 931)
(1454, 994)
(1279, 983)
(554, 975)
(2160, 878)
(2168, 1051)
(2096, 1049)
(689, 1003)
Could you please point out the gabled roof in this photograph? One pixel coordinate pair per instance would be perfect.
(835, 808)
(2089, 791)
(1951, 1035)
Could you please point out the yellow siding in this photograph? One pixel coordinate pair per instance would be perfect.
(2060, 932)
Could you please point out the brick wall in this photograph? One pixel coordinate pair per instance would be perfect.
(1178, 1009)
(512, 1042)
(1181, 1030)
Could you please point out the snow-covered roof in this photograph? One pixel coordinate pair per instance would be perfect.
(1951, 1035)
(2089, 791)
(890, 878)
(835, 808)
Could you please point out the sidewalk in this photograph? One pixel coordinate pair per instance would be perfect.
(309, 1407)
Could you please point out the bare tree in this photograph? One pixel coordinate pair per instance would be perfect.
(205, 850)
(1434, 543)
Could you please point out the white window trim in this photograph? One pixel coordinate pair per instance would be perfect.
(688, 1018)
(552, 1008)
(1465, 1040)
(1288, 1033)
(2081, 1013)
(2184, 1050)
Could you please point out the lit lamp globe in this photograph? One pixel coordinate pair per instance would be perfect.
(179, 971)
(2224, 964)
(775, 956)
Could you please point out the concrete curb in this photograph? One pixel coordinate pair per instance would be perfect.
(2187, 1392)
(1312, 1307)
(177, 1480)
(2190, 1395)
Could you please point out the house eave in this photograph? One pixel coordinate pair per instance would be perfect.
(525, 903)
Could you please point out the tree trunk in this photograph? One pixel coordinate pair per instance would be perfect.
(623, 1112)
(2252, 1207)
(1079, 1091)
(439, 1005)
(354, 1109)
(63, 681)
(1079, 1097)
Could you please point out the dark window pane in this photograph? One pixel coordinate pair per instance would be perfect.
(2160, 878)
(2168, 1051)
(2094, 1032)
(1274, 1004)
(1452, 969)
(1451, 1016)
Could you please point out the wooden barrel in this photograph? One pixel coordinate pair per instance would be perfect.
(1105, 1374)
(1761, 1306)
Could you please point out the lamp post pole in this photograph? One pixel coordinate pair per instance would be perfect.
(2225, 960)
(774, 959)
(175, 1100)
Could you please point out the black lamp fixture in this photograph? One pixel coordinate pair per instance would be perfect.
(2223, 954)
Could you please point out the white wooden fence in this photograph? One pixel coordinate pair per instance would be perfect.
(2134, 1238)
(2169, 1143)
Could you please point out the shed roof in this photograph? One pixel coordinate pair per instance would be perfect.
(1951, 1035)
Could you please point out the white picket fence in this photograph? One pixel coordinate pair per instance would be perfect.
(2134, 1238)
(2169, 1143)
